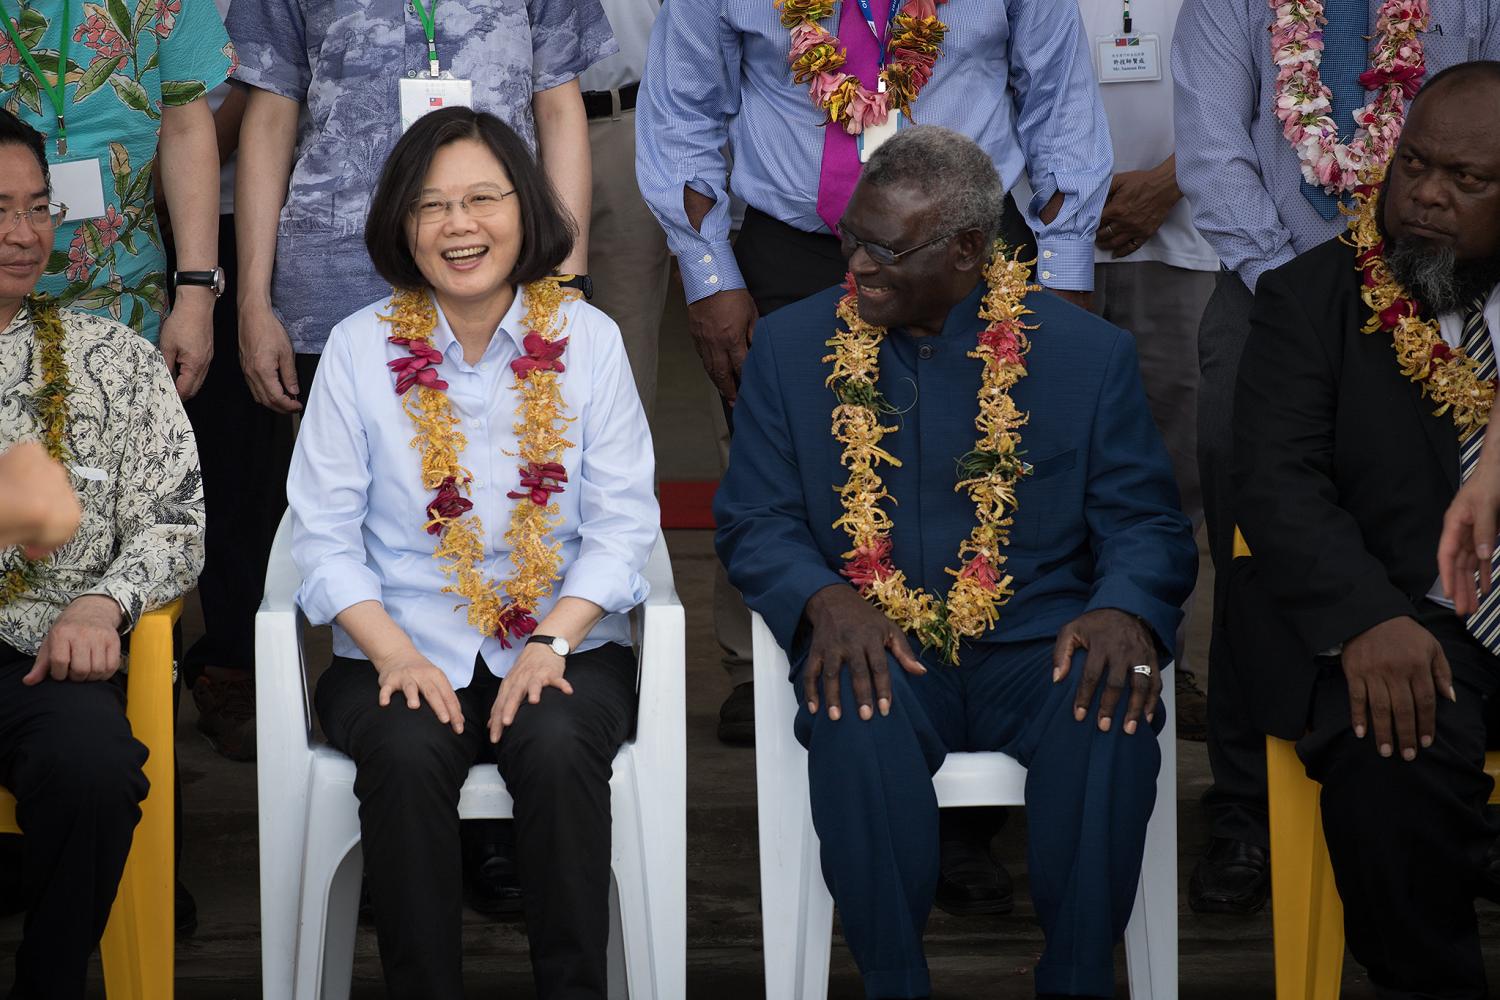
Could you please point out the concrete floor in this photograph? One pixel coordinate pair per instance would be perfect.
(986, 957)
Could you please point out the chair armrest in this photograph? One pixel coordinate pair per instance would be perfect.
(661, 722)
(283, 722)
(152, 669)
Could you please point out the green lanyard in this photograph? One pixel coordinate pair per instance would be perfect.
(430, 30)
(56, 93)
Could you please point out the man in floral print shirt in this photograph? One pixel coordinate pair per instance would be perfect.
(137, 72)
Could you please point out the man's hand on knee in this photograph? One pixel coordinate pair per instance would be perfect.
(1395, 672)
(83, 644)
(1117, 643)
(847, 631)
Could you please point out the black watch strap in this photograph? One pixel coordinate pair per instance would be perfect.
(582, 282)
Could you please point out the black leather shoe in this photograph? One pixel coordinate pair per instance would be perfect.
(970, 882)
(737, 717)
(491, 885)
(1232, 877)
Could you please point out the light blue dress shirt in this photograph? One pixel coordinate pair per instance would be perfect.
(1236, 168)
(359, 508)
(1015, 76)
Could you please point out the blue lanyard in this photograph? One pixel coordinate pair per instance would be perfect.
(869, 16)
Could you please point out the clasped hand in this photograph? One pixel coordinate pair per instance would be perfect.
(1395, 672)
(1116, 644)
(847, 631)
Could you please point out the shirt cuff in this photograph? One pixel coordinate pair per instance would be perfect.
(708, 267)
(1065, 264)
(606, 582)
(334, 587)
(122, 596)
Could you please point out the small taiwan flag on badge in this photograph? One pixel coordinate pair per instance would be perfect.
(434, 102)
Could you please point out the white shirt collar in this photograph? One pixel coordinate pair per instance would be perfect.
(512, 324)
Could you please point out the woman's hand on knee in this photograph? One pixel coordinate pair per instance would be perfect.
(412, 676)
(535, 670)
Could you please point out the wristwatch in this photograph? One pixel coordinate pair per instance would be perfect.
(208, 279)
(582, 282)
(557, 643)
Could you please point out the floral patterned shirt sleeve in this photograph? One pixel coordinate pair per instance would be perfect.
(134, 465)
(127, 59)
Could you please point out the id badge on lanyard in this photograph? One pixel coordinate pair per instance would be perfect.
(435, 88)
(1128, 56)
(874, 136)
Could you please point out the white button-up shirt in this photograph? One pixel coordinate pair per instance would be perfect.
(359, 507)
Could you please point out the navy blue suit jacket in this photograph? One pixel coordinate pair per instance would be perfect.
(1099, 523)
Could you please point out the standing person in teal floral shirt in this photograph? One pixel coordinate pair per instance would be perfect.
(132, 102)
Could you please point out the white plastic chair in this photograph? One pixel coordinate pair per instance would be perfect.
(796, 909)
(310, 858)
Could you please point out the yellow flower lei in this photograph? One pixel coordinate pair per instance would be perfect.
(52, 406)
(1445, 374)
(498, 609)
(989, 473)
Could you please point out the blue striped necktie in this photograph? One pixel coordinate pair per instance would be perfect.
(1484, 623)
(1346, 54)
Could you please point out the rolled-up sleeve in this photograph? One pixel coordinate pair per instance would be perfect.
(1064, 135)
(328, 491)
(688, 94)
(158, 518)
(617, 509)
(567, 37)
(271, 40)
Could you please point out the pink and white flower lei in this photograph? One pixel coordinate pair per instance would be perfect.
(1303, 101)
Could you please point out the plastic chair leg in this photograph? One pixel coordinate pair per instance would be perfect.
(1307, 915)
(341, 926)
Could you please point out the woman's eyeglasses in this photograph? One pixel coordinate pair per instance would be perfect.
(41, 217)
(477, 205)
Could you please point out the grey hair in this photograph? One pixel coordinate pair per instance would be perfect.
(949, 168)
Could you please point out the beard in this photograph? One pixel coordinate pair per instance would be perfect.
(1440, 281)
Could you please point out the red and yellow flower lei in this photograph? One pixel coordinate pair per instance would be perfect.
(1445, 374)
(913, 44)
(989, 473)
(507, 609)
(52, 406)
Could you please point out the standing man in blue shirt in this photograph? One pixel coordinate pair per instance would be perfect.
(1245, 181)
(1013, 75)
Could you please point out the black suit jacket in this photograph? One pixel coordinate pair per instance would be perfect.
(1342, 474)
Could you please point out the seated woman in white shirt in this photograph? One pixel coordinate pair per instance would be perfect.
(472, 508)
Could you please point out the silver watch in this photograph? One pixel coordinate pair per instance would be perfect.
(556, 643)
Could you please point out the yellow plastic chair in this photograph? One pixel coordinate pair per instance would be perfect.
(138, 946)
(1307, 916)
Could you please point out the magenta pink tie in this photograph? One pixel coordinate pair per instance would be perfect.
(840, 171)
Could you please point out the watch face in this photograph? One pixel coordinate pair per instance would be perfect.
(560, 646)
(219, 282)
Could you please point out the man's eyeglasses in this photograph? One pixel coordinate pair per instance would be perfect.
(41, 217)
(884, 255)
(478, 205)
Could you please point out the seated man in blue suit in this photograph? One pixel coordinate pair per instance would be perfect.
(1008, 509)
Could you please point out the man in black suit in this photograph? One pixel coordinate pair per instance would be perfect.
(1343, 471)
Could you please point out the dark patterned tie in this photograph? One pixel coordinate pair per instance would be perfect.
(1484, 624)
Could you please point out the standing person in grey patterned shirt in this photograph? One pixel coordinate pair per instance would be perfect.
(66, 750)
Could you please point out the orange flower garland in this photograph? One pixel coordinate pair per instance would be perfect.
(507, 609)
(1445, 374)
(989, 473)
(914, 41)
(52, 405)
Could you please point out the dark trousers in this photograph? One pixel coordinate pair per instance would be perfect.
(1089, 795)
(556, 760)
(244, 450)
(1408, 839)
(67, 756)
(1235, 805)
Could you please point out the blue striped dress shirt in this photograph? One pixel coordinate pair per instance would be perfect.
(1240, 174)
(1015, 75)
